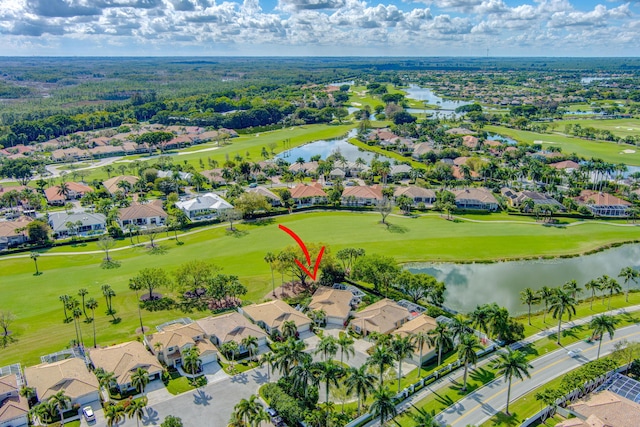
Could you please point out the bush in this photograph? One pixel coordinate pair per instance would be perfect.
(288, 407)
(164, 303)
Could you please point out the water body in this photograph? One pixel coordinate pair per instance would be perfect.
(447, 106)
(469, 285)
(326, 148)
(501, 138)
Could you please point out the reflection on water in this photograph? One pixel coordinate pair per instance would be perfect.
(427, 95)
(326, 148)
(469, 285)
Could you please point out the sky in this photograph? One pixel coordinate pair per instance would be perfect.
(319, 28)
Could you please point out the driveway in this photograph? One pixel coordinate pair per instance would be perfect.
(360, 346)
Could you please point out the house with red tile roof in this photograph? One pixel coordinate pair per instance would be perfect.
(361, 195)
(308, 195)
(603, 204)
(75, 191)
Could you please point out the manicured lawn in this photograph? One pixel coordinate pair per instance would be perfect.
(34, 299)
(618, 127)
(178, 384)
(607, 151)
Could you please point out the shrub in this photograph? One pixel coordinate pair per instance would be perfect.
(288, 407)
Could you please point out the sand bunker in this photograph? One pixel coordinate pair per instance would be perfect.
(628, 151)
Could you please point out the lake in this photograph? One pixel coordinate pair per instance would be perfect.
(501, 138)
(447, 106)
(469, 285)
(326, 148)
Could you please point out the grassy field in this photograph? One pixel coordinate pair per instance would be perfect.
(607, 151)
(34, 299)
(618, 127)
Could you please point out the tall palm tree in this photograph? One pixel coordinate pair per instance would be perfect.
(105, 379)
(480, 319)
(610, 284)
(270, 258)
(114, 414)
(268, 359)
(246, 409)
(289, 329)
(593, 286)
(422, 418)
(529, 296)
(402, 347)
(136, 408)
(512, 364)
(600, 325)
(629, 275)
(328, 346)
(64, 299)
(459, 326)
(420, 339)
(383, 405)
(328, 372)
(382, 357)
(468, 347)
(440, 338)
(289, 354)
(250, 343)
(191, 361)
(230, 348)
(82, 293)
(45, 411)
(360, 381)
(140, 379)
(92, 304)
(61, 402)
(345, 343)
(304, 374)
(546, 295)
(34, 256)
(573, 287)
(562, 301)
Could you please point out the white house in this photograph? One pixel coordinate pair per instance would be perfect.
(209, 204)
(84, 224)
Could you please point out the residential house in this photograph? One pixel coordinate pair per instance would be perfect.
(77, 224)
(70, 375)
(271, 197)
(476, 198)
(566, 165)
(603, 204)
(307, 168)
(417, 194)
(470, 141)
(336, 303)
(172, 341)
(308, 195)
(123, 360)
(381, 317)
(361, 195)
(231, 327)
(75, 191)
(143, 214)
(422, 149)
(419, 324)
(185, 176)
(337, 173)
(13, 233)
(215, 176)
(72, 154)
(206, 205)
(517, 198)
(603, 409)
(459, 131)
(272, 314)
(14, 409)
(113, 184)
(400, 171)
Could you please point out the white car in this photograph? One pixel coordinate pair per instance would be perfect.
(574, 353)
(87, 413)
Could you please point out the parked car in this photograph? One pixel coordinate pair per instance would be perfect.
(272, 412)
(87, 413)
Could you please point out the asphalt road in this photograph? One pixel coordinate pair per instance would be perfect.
(482, 404)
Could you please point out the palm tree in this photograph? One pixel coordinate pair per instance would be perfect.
(105, 379)
(289, 329)
(268, 359)
(402, 347)
(467, 353)
(593, 286)
(136, 408)
(34, 256)
(629, 275)
(382, 357)
(140, 379)
(64, 299)
(562, 301)
(459, 326)
(61, 402)
(440, 338)
(529, 296)
(303, 374)
(250, 343)
(611, 285)
(45, 411)
(114, 414)
(546, 295)
(329, 373)
(480, 319)
(270, 258)
(420, 339)
(191, 361)
(600, 325)
(422, 418)
(383, 405)
(512, 364)
(573, 287)
(230, 348)
(328, 346)
(92, 304)
(82, 293)
(288, 354)
(360, 381)
(246, 409)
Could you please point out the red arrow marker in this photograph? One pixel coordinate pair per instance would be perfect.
(306, 253)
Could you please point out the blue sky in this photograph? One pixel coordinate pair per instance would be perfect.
(320, 27)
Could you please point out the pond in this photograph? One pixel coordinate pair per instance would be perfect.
(501, 138)
(427, 95)
(326, 148)
(469, 285)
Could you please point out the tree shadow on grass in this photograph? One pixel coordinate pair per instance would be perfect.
(262, 222)
(445, 400)
(529, 350)
(397, 229)
(502, 419)
(158, 250)
(482, 375)
(108, 265)
(237, 233)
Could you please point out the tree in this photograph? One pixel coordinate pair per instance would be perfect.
(529, 296)
(150, 279)
(512, 364)
(109, 293)
(467, 354)
(289, 354)
(402, 347)
(140, 379)
(45, 411)
(250, 343)
(270, 258)
(329, 373)
(230, 348)
(92, 304)
(600, 325)
(250, 202)
(194, 277)
(383, 405)
(345, 343)
(572, 287)
(247, 409)
(610, 284)
(191, 360)
(629, 275)
(328, 346)
(289, 329)
(136, 408)
(562, 301)
(61, 402)
(360, 381)
(440, 338)
(593, 286)
(171, 421)
(268, 359)
(230, 215)
(105, 379)
(347, 258)
(382, 357)
(114, 414)
(384, 208)
(546, 295)
(377, 269)
(38, 232)
(34, 256)
(6, 318)
(420, 339)
(106, 243)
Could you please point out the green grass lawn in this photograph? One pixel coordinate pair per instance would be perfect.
(607, 151)
(618, 127)
(34, 299)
